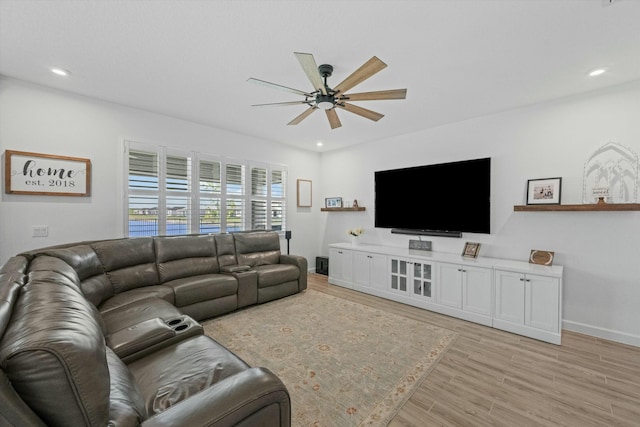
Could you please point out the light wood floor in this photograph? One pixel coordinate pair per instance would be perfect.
(491, 377)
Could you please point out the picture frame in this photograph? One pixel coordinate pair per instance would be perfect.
(541, 257)
(544, 191)
(46, 174)
(333, 202)
(303, 192)
(471, 250)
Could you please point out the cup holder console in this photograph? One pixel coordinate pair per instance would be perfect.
(180, 324)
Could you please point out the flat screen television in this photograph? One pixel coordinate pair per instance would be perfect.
(440, 199)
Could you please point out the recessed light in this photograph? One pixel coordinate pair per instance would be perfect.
(597, 72)
(60, 71)
(319, 144)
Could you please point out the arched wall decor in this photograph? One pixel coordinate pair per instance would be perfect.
(614, 167)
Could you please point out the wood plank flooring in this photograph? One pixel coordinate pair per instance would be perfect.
(491, 377)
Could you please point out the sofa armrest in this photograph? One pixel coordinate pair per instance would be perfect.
(234, 268)
(301, 263)
(255, 396)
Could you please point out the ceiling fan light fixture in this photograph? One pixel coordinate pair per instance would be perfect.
(325, 102)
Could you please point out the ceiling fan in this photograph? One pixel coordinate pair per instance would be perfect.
(328, 99)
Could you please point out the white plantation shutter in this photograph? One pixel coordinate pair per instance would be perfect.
(210, 177)
(210, 186)
(176, 192)
(143, 196)
(278, 198)
(178, 186)
(267, 198)
(258, 214)
(234, 206)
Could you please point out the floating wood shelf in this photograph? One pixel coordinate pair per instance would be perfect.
(358, 209)
(579, 208)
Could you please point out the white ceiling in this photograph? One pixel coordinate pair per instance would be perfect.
(190, 59)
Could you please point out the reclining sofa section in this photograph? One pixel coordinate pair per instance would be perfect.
(107, 333)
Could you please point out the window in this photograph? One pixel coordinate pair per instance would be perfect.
(176, 192)
(267, 197)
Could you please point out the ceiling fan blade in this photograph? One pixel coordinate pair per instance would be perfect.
(302, 116)
(276, 104)
(334, 121)
(277, 86)
(365, 71)
(374, 96)
(371, 115)
(311, 70)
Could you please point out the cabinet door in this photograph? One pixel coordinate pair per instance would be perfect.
(378, 272)
(399, 272)
(361, 268)
(422, 281)
(476, 290)
(542, 299)
(450, 285)
(340, 266)
(510, 296)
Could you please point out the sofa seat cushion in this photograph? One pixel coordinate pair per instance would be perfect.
(138, 311)
(275, 274)
(180, 371)
(191, 290)
(124, 298)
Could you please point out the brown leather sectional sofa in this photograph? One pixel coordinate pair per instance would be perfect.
(106, 333)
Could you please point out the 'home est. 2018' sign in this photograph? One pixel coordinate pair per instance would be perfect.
(46, 174)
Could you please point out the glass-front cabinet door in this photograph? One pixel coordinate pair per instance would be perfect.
(399, 275)
(422, 280)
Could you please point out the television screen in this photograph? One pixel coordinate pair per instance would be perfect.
(446, 197)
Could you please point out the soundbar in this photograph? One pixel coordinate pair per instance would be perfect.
(441, 233)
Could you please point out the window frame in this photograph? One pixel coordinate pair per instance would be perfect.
(194, 194)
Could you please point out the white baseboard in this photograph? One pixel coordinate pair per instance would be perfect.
(608, 334)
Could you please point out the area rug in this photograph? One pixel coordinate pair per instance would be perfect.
(344, 363)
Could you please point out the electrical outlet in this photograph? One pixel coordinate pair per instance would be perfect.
(40, 231)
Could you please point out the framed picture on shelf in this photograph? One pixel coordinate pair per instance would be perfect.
(544, 191)
(541, 257)
(471, 250)
(333, 202)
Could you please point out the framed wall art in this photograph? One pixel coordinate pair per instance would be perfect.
(46, 174)
(544, 191)
(303, 193)
(333, 202)
(471, 250)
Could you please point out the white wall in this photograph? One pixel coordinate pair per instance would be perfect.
(37, 119)
(599, 250)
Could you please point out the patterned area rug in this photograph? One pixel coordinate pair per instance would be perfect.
(344, 363)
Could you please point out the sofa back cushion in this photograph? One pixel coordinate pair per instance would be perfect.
(94, 283)
(185, 256)
(129, 263)
(53, 353)
(257, 248)
(226, 249)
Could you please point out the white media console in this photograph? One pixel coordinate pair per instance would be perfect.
(514, 296)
